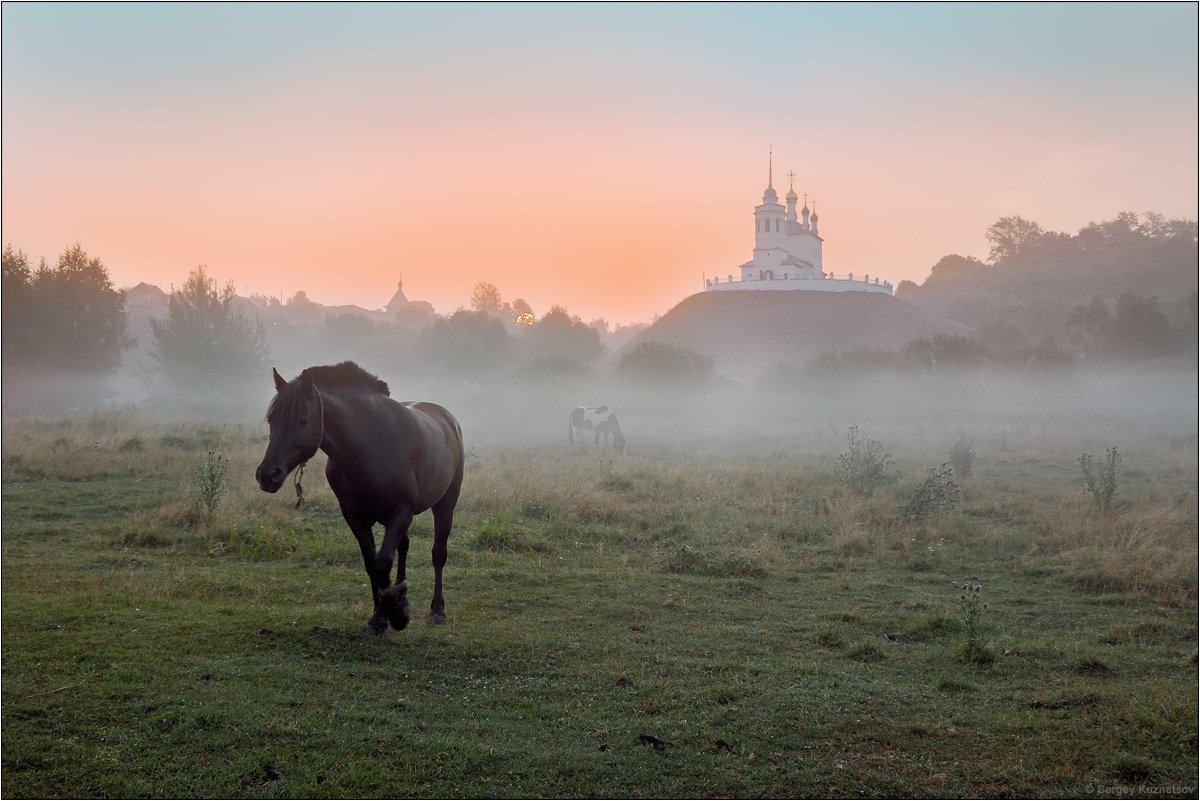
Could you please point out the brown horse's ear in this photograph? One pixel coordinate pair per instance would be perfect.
(279, 382)
(306, 382)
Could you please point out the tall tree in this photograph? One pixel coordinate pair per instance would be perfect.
(74, 319)
(466, 340)
(1011, 236)
(558, 335)
(486, 298)
(205, 346)
(16, 293)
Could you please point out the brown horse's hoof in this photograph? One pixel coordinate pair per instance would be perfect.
(398, 617)
(437, 618)
(376, 627)
(393, 602)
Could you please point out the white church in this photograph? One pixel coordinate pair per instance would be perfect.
(787, 252)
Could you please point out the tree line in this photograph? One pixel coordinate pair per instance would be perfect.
(211, 350)
(65, 328)
(1123, 288)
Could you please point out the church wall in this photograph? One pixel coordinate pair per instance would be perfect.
(801, 284)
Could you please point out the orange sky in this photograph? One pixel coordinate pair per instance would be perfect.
(601, 157)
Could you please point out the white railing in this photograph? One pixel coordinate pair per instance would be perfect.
(829, 283)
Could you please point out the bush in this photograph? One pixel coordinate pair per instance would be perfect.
(865, 466)
(659, 363)
(936, 494)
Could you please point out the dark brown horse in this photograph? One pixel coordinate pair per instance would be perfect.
(387, 461)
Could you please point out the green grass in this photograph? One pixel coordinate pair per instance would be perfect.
(783, 646)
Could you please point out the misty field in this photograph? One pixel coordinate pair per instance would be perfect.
(720, 612)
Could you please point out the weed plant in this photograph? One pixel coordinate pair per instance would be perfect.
(971, 606)
(962, 456)
(938, 493)
(1101, 480)
(212, 483)
(865, 466)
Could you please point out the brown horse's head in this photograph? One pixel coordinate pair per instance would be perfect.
(296, 420)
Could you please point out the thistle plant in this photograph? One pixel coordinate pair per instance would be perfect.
(971, 607)
(1101, 480)
(212, 482)
(866, 465)
(937, 493)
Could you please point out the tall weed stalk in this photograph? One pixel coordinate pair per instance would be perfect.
(1101, 479)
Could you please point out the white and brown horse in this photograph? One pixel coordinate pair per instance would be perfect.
(599, 419)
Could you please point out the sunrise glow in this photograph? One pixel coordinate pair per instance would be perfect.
(606, 158)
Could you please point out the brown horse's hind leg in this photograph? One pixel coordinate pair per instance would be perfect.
(443, 519)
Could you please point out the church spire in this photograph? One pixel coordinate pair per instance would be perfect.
(769, 195)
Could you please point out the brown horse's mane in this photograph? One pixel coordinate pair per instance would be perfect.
(346, 374)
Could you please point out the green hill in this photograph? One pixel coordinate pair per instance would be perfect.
(749, 331)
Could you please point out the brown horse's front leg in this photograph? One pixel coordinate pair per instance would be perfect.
(394, 599)
(377, 624)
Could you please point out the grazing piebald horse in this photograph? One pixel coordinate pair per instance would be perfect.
(387, 462)
(595, 418)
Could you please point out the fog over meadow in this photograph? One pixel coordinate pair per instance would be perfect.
(923, 413)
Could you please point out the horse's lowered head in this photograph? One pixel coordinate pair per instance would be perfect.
(297, 422)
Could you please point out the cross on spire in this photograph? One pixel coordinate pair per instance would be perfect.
(792, 180)
(770, 166)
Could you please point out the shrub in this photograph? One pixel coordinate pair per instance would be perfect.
(936, 494)
(660, 363)
(866, 465)
(1101, 480)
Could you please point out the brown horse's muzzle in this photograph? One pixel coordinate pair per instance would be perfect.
(270, 479)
